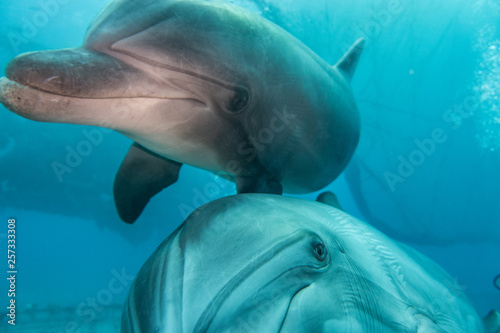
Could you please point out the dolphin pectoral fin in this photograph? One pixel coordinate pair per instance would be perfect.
(492, 322)
(258, 185)
(347, 64)
(329, 198)
(141, 176)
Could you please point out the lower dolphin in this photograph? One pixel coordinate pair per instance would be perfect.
(267, 263)
(204, 83)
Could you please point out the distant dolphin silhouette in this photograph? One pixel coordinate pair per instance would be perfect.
(269, 263)
(204, 83)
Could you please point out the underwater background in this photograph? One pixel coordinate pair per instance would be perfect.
(429, 67)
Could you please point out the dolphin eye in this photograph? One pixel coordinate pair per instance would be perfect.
(239, 101)
(319, 251)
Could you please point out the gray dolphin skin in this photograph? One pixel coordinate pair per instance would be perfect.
(204, 83)
(268, 263)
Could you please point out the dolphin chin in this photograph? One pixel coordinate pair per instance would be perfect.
(267, 263)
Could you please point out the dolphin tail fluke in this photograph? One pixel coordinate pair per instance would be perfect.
(492, 322)
(347, 65)
(141, 176)
(329, 198)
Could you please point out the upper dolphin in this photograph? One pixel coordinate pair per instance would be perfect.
(204, 83)
(266, 263)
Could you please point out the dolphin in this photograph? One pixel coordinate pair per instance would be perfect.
(204, 83)
(270, 263)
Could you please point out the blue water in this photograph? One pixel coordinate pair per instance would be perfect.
(430, 72)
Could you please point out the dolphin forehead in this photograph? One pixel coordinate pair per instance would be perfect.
(114, 22)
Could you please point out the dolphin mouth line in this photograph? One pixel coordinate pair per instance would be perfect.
(13, 84)
(18, 76)
(213, 308)
(288, 306)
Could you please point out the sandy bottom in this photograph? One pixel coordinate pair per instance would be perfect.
(65, 320)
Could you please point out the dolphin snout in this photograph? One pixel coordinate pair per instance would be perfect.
(72, 72)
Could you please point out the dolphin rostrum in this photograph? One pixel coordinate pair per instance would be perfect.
(269, 263)
(204, 83)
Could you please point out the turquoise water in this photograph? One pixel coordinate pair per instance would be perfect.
(425, 172)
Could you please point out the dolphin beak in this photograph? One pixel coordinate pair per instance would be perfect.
(87, 87)
(72, 86)
(72, 72)
(77, 86)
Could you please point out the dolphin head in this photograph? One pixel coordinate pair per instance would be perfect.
(267, 263)
(204, 83)
(213, 285)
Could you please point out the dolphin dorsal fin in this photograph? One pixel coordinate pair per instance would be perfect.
(347, 64)
(492, 322)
